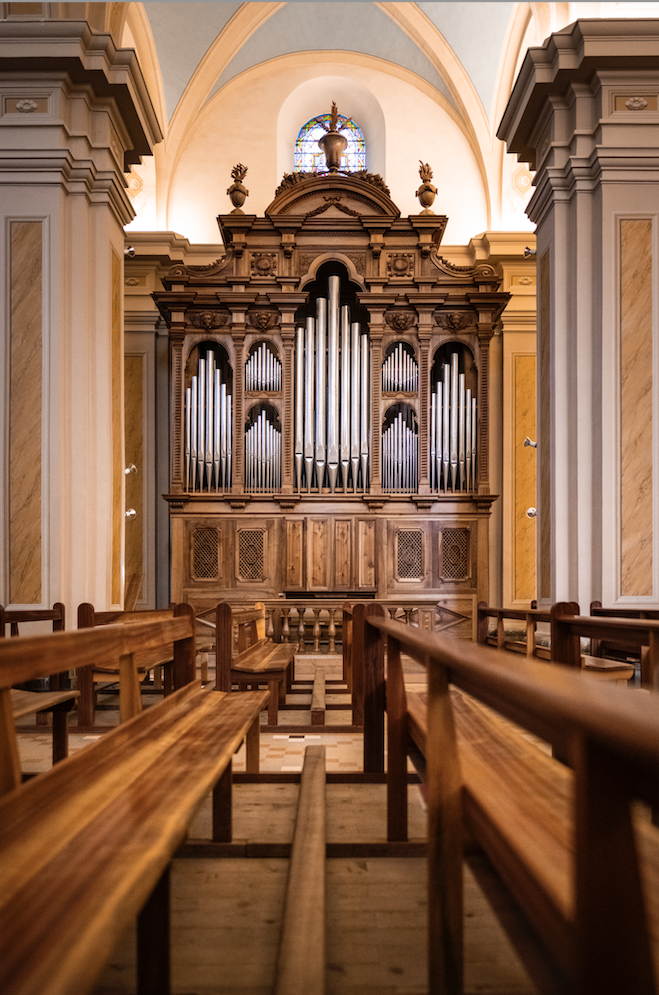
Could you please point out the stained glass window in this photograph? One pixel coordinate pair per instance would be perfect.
(310, 159)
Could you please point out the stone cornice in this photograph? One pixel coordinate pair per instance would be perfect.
(29, 47)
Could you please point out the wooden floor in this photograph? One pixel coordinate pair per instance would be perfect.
(226, 912)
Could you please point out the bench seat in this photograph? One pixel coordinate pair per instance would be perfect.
(85, 844)
(263, 662)
(58, 702)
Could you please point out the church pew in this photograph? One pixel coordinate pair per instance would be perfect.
(602, 648)
(56, 699)
(567, 844)
(88, 677)
(301, 954)
(259, 660)
(86, 847)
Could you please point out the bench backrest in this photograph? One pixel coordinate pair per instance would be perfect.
(611, 738)
(116, 646)
(530, 619)
(251, 630)
(12, 617)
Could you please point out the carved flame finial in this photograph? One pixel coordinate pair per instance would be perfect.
(425, 172)
(333, 121)
(238, 173)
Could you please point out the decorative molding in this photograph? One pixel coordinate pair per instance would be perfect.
(132, 281)
(263, 320)
(633, 104)
(450, 268)
(400, 264)
(358, 259)
(400, 321)
(454, 321)
(26, 106)
(208, 319)
(332, 202)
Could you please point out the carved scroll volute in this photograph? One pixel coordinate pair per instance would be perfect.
(176, 336)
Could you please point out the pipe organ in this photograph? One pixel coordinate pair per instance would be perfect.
(329, 429)
(332, 361)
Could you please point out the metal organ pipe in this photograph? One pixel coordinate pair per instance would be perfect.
(453, 431)
(331, 384)
(207, 429)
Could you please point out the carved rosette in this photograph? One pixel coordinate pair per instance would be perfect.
(400, 264)
(263, 263)
(400, 321)
(263, 320)
(208, 319)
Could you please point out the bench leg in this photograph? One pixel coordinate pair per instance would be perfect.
(273, 704)
(222, 828)
(253, 747)
(86, 700)
(153, 956)
(60, 735)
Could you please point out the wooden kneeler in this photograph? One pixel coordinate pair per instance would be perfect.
(301, 957)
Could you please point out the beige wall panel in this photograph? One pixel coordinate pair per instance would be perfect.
(636, 407)
(343, 553)
(294, 554)
(524, 423)
(366, 554)
(318, 550)
(134, 401)
(25, 540)
(544, 442)
(117, 429)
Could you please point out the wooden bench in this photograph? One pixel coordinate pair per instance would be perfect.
(90, 677)
(259, 660)
(301, 955)
(318, 697)
(592, 663)
(86, 847)
(56, 700)
(567, 844)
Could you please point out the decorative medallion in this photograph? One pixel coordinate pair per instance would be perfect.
(400, 264)
(208, 319)
(135, 184)
(525, 281)
(400, 321)
(26, 106)
(454, 321)
(132, 281)
(262, 319)
(264, 263)
(633, 104)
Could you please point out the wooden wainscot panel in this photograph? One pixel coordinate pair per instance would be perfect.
(318, 533)
(342, 553)
(366, 569)
(408, 556)
(254, 553)
(456, 553)
(204, 552)
(295, 554)
(455, 615)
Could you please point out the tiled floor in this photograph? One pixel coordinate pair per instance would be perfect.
(226, 912)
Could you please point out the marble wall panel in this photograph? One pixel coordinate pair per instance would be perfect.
(134, 402)
(118, 475)
(544, 440)
(25, 412)
(636, 404)
(524, 422)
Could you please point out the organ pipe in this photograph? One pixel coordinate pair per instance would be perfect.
(331, 389)
(263, 369)
(400, 454)
(263, 455)
(453, 432)
(208, 430)
(400, 370)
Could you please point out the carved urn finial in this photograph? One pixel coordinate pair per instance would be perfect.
(332, 143)
(237, 191)
(426, 192)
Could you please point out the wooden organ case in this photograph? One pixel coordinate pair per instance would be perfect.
(330, 408)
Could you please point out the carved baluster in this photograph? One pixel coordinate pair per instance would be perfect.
(392, 612)
(332, 631)
(408, 615)
(316, 630)
(300, 628)
(269, 625)
(285, 628)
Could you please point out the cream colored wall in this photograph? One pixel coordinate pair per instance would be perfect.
(240, 124)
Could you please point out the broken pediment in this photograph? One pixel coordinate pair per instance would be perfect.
(335, 195)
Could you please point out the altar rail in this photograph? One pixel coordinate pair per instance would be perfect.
(317, 625)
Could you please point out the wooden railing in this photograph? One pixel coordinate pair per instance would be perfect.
(501, 639)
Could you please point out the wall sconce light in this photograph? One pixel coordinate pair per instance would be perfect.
(527, 442)
(131, 468)
(130, 514)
